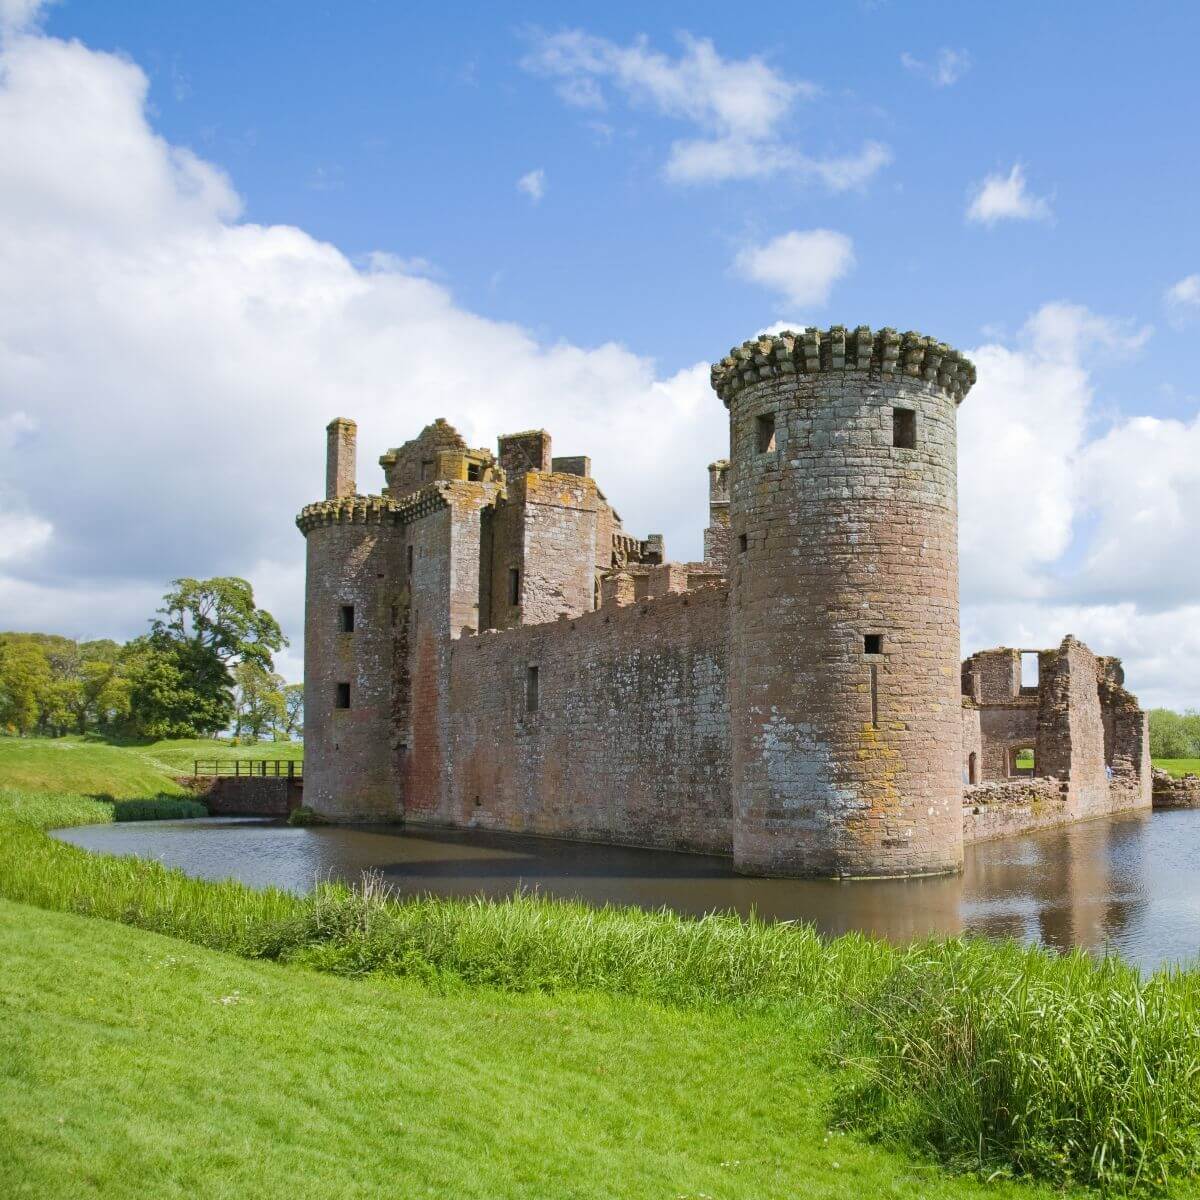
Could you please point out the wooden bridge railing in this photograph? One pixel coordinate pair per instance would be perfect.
(277, 768)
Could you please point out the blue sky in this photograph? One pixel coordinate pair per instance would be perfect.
(229, 222)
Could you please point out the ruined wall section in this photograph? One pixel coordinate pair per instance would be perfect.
(624, 737)
(1126, 739)
(353, 563)
(1070, 743)
(972, 743)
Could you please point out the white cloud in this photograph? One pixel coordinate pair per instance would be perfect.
(1005, 198)
(533, 184)
(739, 107)
(1183, 300)
(22, 535)
(166, 370)
(802, 266)
(17, 16)
(944, 70)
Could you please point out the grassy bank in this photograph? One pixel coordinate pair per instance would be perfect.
(93, 767)
(209, 1076)
(989, 1056)
(1179, 767)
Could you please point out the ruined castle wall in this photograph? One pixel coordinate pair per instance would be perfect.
(1004, 729)
(972, 744)
(1070, 742)
(628, 737)
(1012, 807)
(349, 766)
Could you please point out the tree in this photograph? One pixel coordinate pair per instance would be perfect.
(177, 690)
(1168, 735)
(218, 616)
(258, 700)
(25, 685)
(180, 680)
(292, 725)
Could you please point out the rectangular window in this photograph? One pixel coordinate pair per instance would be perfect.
(765, 433)
(904, 428)
(514, 586)
(474, 472)
(874, 696)
(531, 689)
(742, 543)
(347, 619)
(873, 643)
(427, 470)
(410, 557)
(342, 699)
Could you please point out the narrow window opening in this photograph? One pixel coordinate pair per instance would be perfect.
(427, 470)
(531, 689)
(973, 767)
(742, 543)
(873, 643)
(410, 558)
(1029, 671)
(347, 618)
(1021, 761)
(904, 428)
(874, 696)
(474, 472)
(514, 586)
(395, 614)
(342, 699)
(766, 433)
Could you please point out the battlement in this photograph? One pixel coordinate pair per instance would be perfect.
(346, 510)
(838, 349)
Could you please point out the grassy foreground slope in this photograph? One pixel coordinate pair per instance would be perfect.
(92, 767)
(135, 1065)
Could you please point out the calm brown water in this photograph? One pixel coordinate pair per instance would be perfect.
(1129, 884)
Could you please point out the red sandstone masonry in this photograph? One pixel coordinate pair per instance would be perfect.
(630, 739)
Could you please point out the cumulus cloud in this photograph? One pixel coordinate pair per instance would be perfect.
(166, 370)
(802, 266)
(533, 184)
(1006, 198)
(17, 16)
(945, 69)
(739, 107)
(1183, 300)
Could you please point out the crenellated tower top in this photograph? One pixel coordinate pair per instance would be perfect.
(839, 349)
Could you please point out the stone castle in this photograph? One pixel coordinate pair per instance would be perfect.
(487, 647)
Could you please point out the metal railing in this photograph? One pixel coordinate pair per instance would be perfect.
(274, 768)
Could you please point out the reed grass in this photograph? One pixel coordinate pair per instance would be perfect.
(988, 1055)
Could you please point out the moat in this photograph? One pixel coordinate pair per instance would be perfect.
(1130, 884)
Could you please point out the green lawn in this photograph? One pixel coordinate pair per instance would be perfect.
(1179, 767)
(93, 767)
(134, 1065)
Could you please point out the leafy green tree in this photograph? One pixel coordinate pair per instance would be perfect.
(292, 725)
(180, 684)
(258, 700)
(25, 685)
(1168, 735)
(177, 690)
(218, 616)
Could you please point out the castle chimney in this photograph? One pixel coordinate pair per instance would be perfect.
(340, 454)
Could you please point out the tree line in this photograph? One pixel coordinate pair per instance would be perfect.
(204, 666)
(1174, 735)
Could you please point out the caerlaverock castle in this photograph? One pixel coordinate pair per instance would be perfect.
(486, 646)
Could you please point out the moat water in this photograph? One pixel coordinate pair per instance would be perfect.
(1129, 885)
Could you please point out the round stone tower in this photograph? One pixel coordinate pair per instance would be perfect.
(352, 557)
(844, 643)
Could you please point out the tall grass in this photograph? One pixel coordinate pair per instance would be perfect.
(990, 1055)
